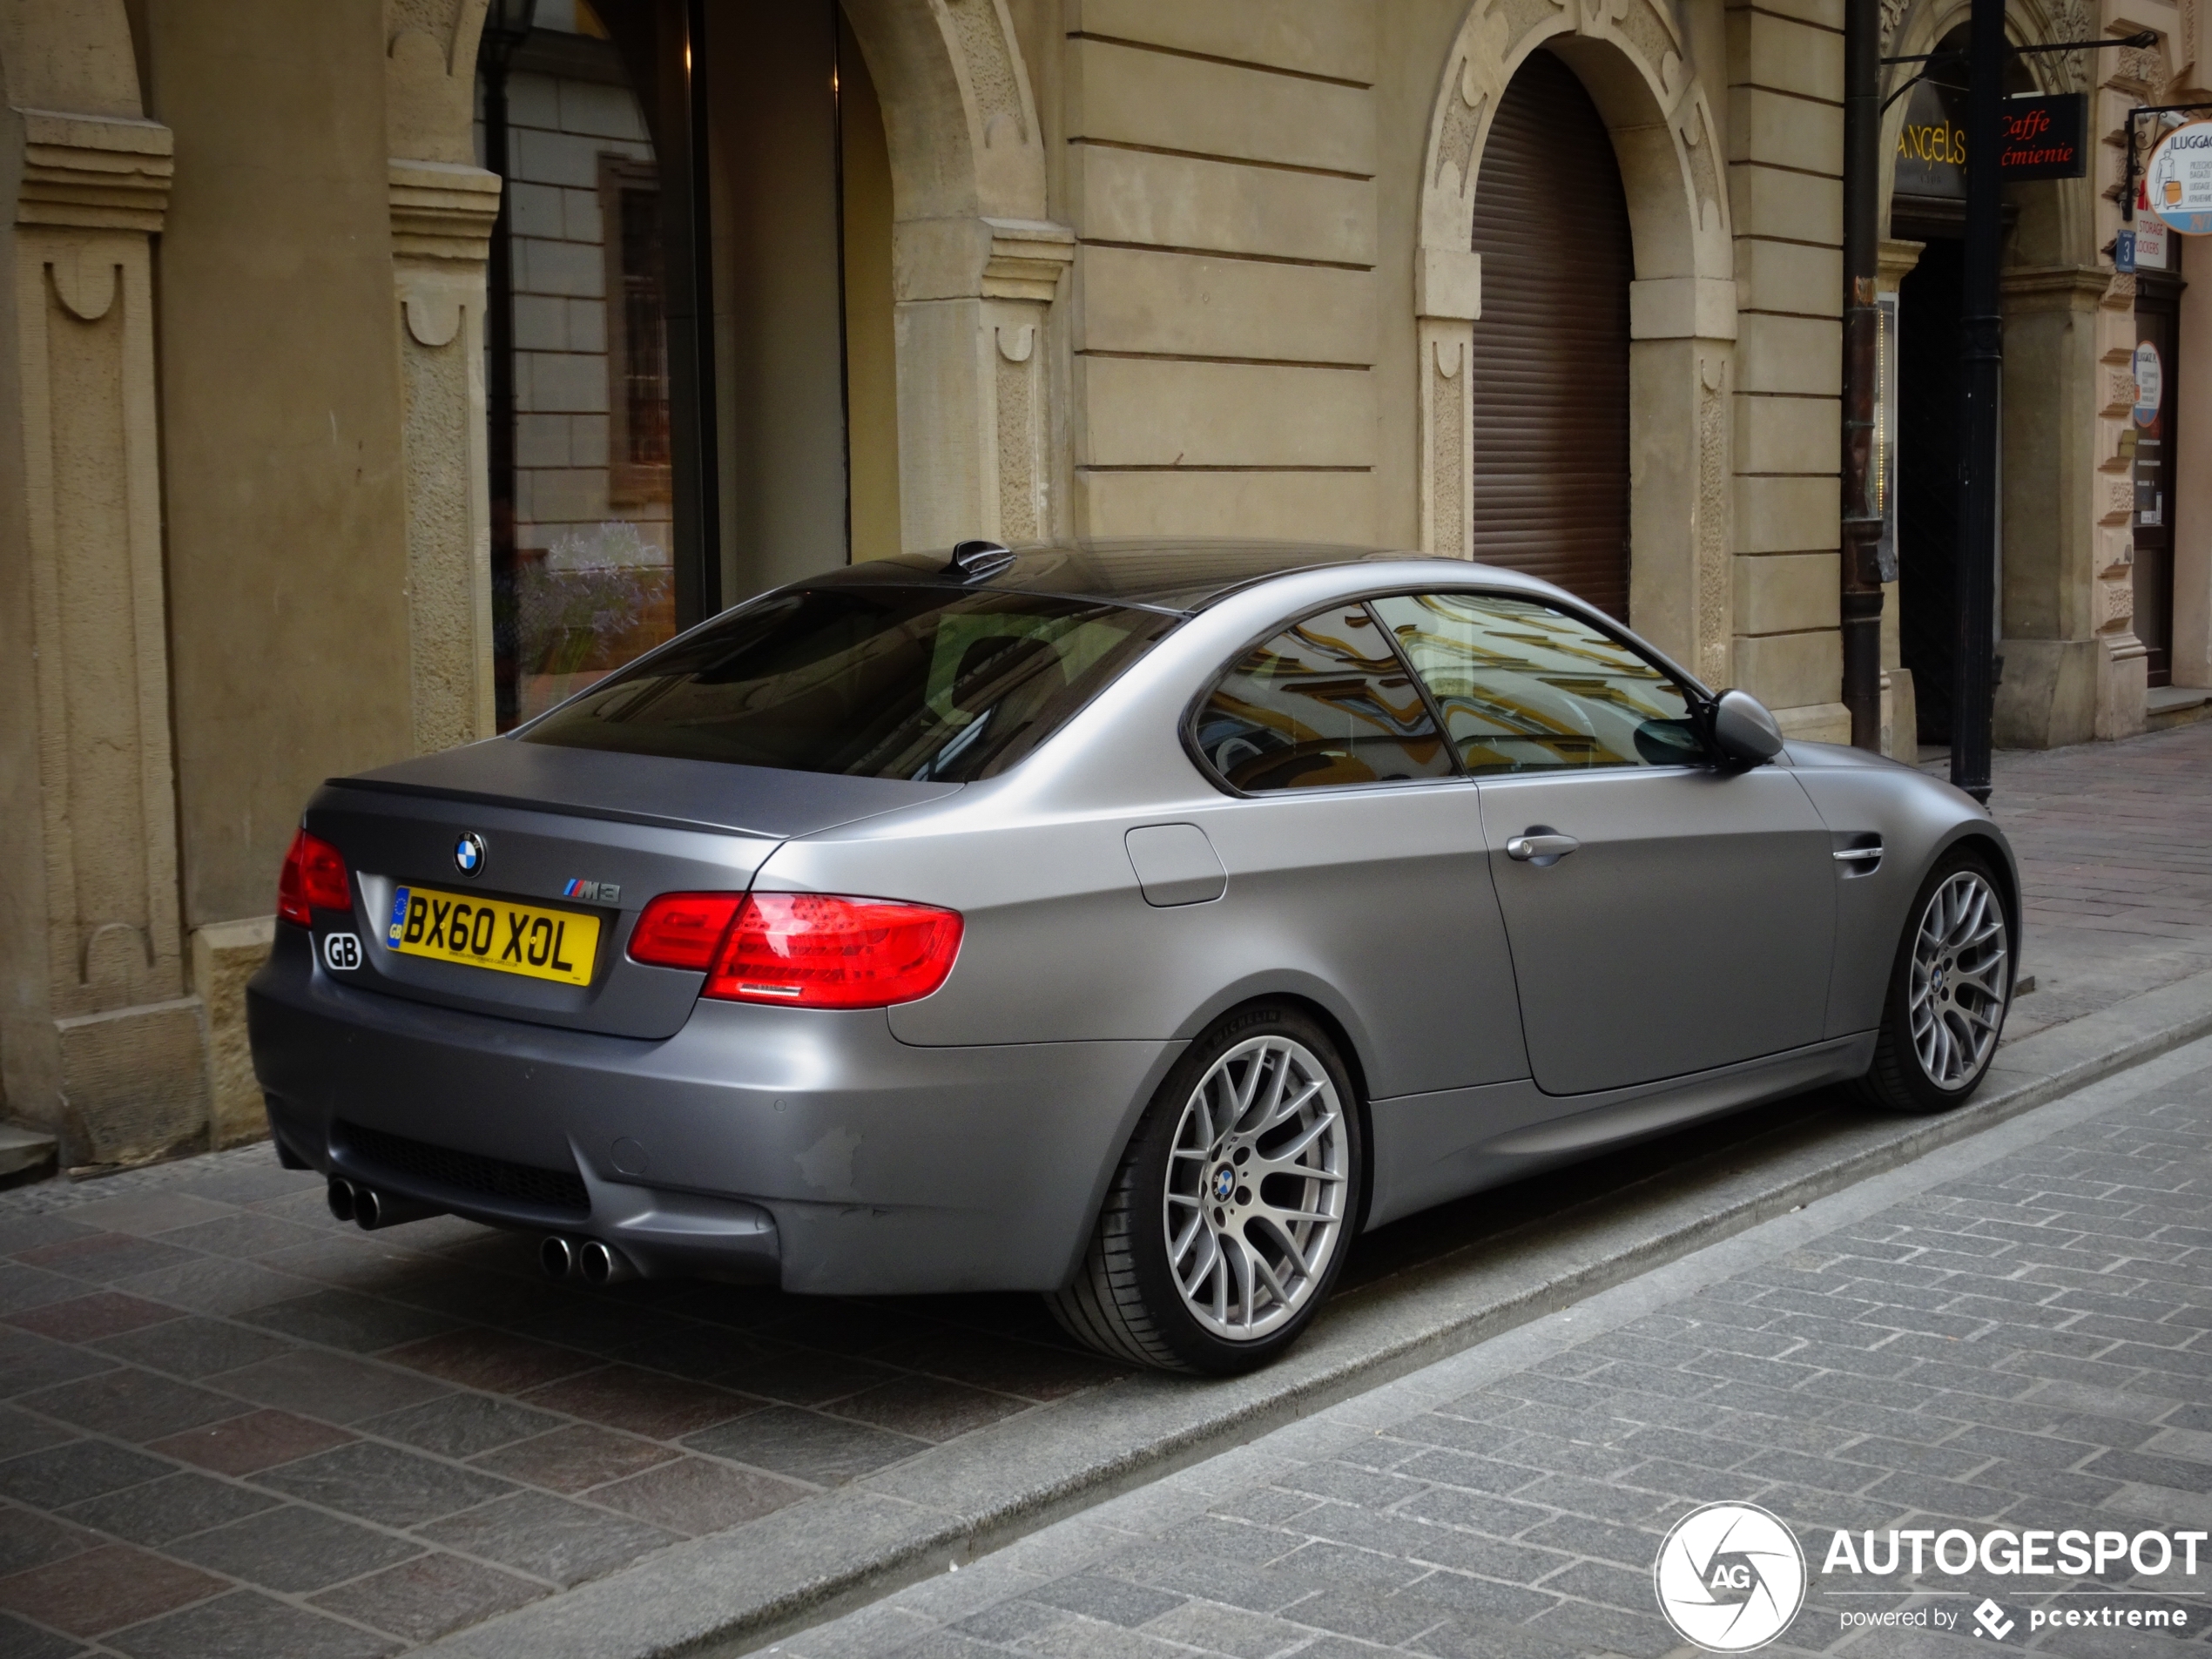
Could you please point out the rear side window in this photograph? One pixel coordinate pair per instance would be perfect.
(1525, 687)
(1324, 703)
(916, 682)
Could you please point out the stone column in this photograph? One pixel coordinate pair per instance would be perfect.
(442, 208)
(1447, 302)
(1682, 360)
(100, 1041)
(976, 448)
(442, 221)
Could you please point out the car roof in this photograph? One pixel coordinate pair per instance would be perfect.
(1184, 574)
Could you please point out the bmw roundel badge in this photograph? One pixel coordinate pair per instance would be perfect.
(469, 854)
(1225, 1182)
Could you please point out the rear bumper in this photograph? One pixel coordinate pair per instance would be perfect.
(809, 1148)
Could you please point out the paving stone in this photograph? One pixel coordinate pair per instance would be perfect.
(173, 1507)
(697, 1496)
(193, 1347)
(94, 1591)
(549, 1538)
(257, 1441)
(493, 1360)
(642, 1402)
(102, 1258)
(424, 1599)
(334, 1388)
(459, 1426)
(572, 1457)
(22, 1641)
(249, 1622)
(383, 1483)
(80, 1469)
(825, 1451)
(346, 1320)
(86, 1317)
(29, 1540)
(132, 1404)
(294, 1549)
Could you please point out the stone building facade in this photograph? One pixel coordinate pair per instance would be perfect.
(299, 476)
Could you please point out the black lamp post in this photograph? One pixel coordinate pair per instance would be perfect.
(506, 24)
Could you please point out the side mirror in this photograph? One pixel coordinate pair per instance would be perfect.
(1743, 729)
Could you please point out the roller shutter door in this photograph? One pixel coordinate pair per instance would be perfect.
(1551, 349)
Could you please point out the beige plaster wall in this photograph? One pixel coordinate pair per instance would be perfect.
(1784, 124)
(282, 414)
(1222, 172)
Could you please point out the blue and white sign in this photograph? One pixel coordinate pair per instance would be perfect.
(2178, 182)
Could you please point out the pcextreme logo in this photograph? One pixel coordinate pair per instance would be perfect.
(1729, 1577)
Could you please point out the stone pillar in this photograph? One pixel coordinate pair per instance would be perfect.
(976, 445)
(100, 1041)
(442, 208)
(1447, 302)
(442, 220)
(1682, 353)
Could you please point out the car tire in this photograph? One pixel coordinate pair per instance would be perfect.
(1195, 1267)
(1949, 991)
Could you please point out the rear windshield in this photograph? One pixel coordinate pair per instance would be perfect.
(877, 682)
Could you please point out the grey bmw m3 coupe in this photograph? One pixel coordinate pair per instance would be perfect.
(1134, 924)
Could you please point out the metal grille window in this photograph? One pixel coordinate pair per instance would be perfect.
(637, 457)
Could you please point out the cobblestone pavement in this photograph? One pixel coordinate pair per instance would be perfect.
(2116, 862)
(233, 1426)
(2026, 1344)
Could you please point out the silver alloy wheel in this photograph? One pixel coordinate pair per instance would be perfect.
(1960, 979)
(1257, 1188)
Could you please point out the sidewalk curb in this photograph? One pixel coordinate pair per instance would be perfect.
(736, 1591)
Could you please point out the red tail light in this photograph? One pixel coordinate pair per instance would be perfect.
(684, 929)
(810, 950)
(314, 878)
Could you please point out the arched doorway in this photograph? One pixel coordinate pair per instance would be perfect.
(1551, 348)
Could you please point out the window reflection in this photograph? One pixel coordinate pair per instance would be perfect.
(1525, 688)
(585, 580)
(1326, 703)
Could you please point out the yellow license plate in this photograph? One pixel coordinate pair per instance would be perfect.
(559, 945)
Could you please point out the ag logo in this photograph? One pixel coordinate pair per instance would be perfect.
(1729, 1577)
(341, 953)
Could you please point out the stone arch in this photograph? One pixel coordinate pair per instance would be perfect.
(1630, 56)
(1919, 28)
(975, 269)
(78, 58)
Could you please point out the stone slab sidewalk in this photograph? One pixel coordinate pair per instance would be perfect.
(234, 1427)
(2015, 1332)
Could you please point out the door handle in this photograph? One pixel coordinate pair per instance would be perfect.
(1540, 845)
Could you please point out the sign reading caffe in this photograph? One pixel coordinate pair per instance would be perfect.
(2037, 138)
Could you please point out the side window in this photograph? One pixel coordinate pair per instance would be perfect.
(1525, 688)
(1324, 704)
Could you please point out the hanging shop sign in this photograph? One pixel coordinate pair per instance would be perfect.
(2040, 138)
(2178, 182)
(1931, 144)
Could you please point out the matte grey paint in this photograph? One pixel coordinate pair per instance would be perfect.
(1175, 863)
(1700, 950)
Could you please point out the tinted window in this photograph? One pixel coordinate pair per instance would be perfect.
(915, 683)
(1326, 703)
(1525, 688)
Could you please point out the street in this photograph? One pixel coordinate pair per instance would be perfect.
(237, 1427)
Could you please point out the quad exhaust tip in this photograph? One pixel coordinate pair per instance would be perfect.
(369, 1209)
(586, 1258)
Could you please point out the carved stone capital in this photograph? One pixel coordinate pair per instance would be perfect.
(94, 171)
(1025, 259)
(441, 210)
